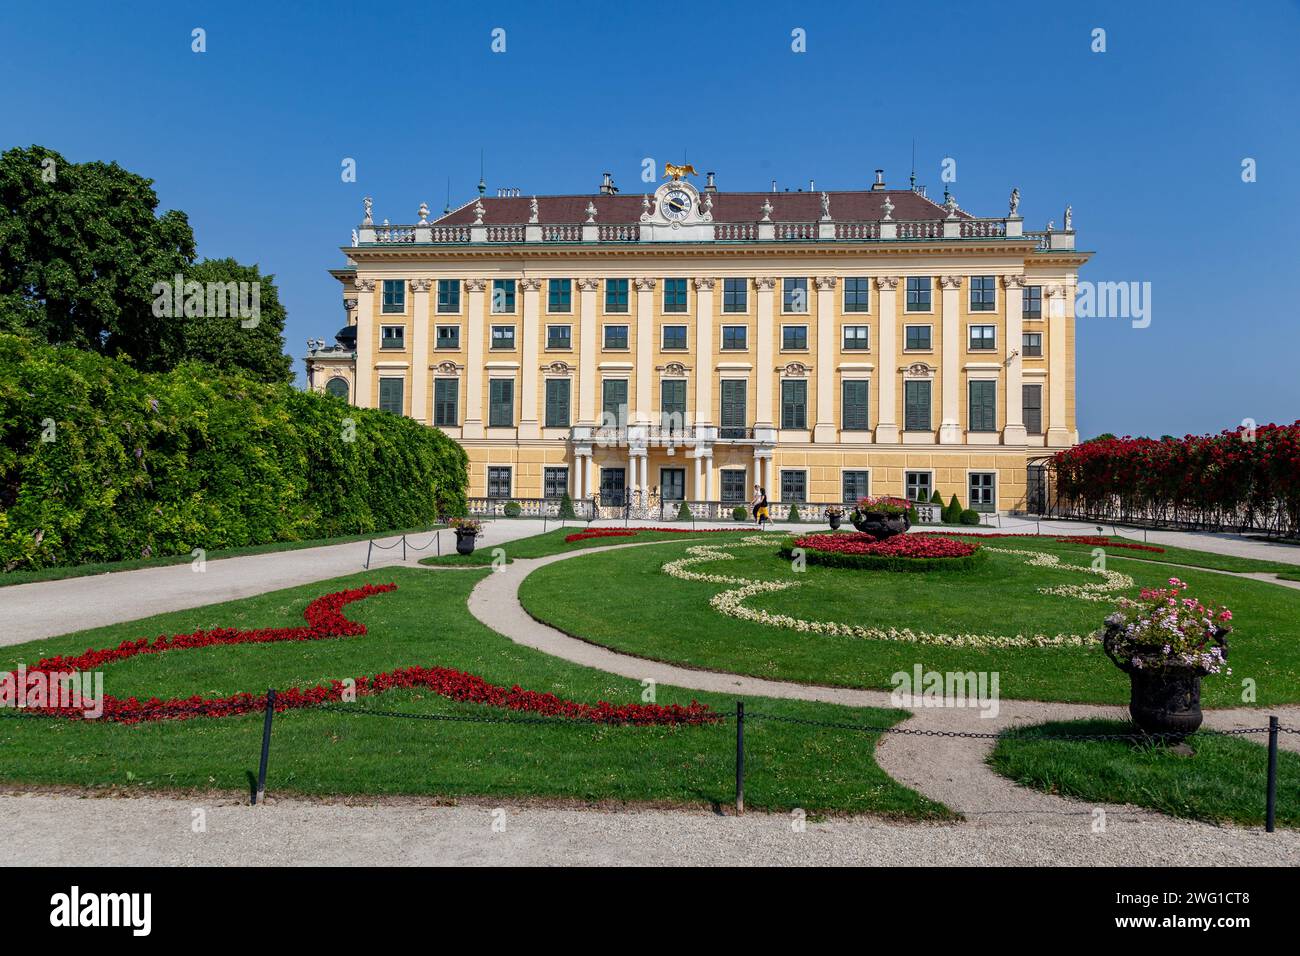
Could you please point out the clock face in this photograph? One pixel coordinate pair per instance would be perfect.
(677, 204)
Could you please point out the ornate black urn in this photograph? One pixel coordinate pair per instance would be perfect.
(879, 524)
(1164, 699)
(465, 541)
(835, 520)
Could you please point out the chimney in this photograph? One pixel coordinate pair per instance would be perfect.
(607, 187)
(812, 186)
(879, 184)
(774, 185)
(710, 186)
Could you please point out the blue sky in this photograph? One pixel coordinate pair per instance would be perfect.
(1145, 140)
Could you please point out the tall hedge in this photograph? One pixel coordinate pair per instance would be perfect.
(101, 462)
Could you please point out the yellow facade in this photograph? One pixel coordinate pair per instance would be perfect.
(757, 314)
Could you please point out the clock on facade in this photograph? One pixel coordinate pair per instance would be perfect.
(676, 204)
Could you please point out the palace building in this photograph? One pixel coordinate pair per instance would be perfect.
(690, 343)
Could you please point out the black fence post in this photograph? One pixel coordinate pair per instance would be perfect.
(1270, 811)
(266, 747)
(403, 549)
(437, 535)
(740, 756)
(370, 549)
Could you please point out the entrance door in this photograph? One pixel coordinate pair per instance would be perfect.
(613, 488)
(672, 484)
(1036, 490)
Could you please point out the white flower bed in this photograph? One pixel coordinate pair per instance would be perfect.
(732, 601)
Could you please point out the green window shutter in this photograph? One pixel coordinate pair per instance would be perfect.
(614, 393)
(794, 404)
(557, 403)
(854, 411)
(1033, 409)
(916, 397)
(672, 399)
(733, 403)
(501, 402)
(983, 406)
(446, 401)
(390, 395)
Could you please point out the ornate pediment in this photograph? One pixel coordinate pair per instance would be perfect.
(796, 370)
(447, 368)
(674, 370)
(558, 367)
(918, 370)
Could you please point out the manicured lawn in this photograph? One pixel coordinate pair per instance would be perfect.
(425, 622)
(1224, 782)
(623, 599)
(552, 542)
(108, 567)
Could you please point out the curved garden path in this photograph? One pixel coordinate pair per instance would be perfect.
(951, 770)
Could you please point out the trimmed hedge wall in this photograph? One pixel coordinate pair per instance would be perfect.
(876, 562)
(100, 462)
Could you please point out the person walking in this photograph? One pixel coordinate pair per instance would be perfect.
(759, 508)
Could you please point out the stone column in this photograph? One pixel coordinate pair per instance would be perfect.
(1058, 431)
(365, 385)
(529, 426)
(824, 429)
(704, 351)
(764, 370)
(420, 350)
(587, 401)
(950, 422)
(708, 475)
(1013, 432)
(642, 411)
(475, 301)
(887, 372)
(697, 483)
(575, 479)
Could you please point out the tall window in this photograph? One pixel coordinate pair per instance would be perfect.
(394, 295)
(448, 295)
(853, 405)
(616, 337)
(614, 401)
(983, 293)
(503, 337)
(501, 402)
(392, 336)
(1032, 344)
(735, 338)
(982, 490)
(559, 336)
(674, 336)
(557, 402)
(916, 406)
(857, 295)
(918, 485)
(917, 338)
(672, 404)
(855, 338)
(983, 338)
(674, 295)
(733, 485)
(855, 485)
(446, 401)
(794, 295)
(559, 295)
(498, 483)
(734, 411)
(1033, 408)
(735, 295)
(616, 296)
(794, 338)
(983, 406)
(1031, 304)
(390, 395)
(794, 485)
(918, 294)
(447, 337)
(794, 403)
(503, 296)
(555, 482)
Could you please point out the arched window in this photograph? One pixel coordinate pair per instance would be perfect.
(338, 387)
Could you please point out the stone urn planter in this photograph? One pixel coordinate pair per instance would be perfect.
(465, 541)
(835, 519)
(880, 525)
(1164, 698)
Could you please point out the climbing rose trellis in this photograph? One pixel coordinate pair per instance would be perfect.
(1234, 480)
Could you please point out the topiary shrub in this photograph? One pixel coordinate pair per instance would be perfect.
(513, 509)
(566, 507)
(936, 498)
(793, 516)
(912, 516)
(952, 513)
(969, 516)
(739, 513)
(683, 512)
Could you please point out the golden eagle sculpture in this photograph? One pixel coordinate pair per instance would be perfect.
(677, 172)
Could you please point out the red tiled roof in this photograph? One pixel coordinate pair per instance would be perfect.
(847, 206)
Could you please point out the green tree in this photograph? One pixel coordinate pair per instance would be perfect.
(231, 340)
(81, 245)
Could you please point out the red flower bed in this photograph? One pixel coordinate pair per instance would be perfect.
(630, 532)
(598, 533)
(1092, 541)
(899, 546)
(325, 620)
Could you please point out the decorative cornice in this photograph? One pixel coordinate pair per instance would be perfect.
(448, 368)
(645, 284)
(587, 284)
(887, 282)
(765, 282)
(421, 285)
(530, 284)
(705, 283)
(673, 370)
(1013, 282)
(365, 285)
(1053, 290)
(825, 283)
(918, 370)
(950, 282)
(558, 367)
(795, 370)
(475, 285)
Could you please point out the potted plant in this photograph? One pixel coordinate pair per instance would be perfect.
(467, 532)
(834, 516)
(1166, 642)
(881, 517)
